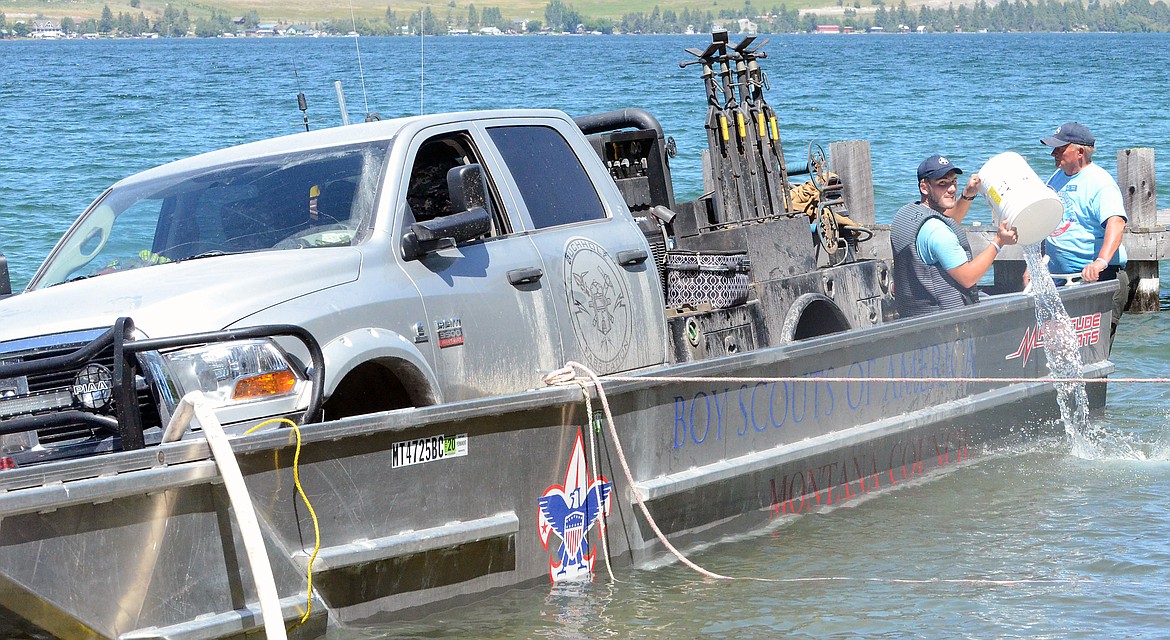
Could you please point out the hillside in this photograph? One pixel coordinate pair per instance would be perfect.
(290, 12)
(372, 17)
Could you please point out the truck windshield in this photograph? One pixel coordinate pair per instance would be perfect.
(320, 198)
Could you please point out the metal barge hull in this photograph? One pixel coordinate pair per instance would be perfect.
(144, 544)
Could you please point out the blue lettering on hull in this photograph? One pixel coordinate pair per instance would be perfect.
(764, 406)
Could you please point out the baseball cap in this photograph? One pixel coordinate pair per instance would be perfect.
(1070, 133)
(936, 166)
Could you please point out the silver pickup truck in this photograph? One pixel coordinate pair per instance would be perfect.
(433, 259)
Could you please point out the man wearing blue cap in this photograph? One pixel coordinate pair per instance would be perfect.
(1088, 240)
(934, 268)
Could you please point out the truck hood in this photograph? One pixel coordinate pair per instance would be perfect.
(206, 294)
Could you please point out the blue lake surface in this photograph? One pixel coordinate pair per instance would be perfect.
(1024, 543)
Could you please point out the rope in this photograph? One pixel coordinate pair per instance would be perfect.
(312, 514)
(570, 366)
(567, 375)
(1050, 379)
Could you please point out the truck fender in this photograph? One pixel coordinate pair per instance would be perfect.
(348, 351)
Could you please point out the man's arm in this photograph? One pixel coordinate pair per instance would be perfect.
(1114, 228)
(966, 197)
(969, 273)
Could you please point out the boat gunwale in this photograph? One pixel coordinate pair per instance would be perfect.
(56, 484)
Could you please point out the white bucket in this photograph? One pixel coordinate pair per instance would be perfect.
(1018, 195)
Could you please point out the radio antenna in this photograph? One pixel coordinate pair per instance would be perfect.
(302, 104)
(422, 63)
(361, 72)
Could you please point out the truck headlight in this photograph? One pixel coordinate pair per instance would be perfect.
(233, 372)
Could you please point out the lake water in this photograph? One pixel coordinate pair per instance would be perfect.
(1026, 542)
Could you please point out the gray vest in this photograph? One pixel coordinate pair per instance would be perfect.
(921, 288)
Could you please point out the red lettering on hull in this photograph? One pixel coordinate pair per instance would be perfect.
(798, 492)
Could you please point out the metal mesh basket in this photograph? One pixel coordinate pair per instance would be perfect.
(718, 278)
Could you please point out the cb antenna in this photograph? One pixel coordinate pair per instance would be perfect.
(422, 62)
(302, 104)
(361, 72)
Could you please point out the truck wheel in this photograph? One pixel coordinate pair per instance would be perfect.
(370, 388)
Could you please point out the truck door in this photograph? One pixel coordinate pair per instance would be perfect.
(490, 314)
(599, 263)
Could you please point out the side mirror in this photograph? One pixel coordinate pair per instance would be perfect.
(445, 231)
(469, 195)
(467, 187)
(5, 280)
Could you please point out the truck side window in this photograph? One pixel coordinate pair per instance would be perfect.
(551, 180)
(427, 193)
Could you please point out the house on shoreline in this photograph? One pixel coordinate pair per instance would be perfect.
(45, 30)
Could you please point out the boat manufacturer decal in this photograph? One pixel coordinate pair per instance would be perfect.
(450, 332)
(429, 449)
(1088, 332)
(599, 304)
(93, 386)
(571, 510)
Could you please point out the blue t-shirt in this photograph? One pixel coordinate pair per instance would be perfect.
(937, 244)
(1090, 198)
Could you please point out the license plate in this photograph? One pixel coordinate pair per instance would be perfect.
(430, 449)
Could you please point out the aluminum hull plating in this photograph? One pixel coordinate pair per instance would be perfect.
(142, 544)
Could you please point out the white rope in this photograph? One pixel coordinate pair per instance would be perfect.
(568, 375)
(617, 445)
(880, 379)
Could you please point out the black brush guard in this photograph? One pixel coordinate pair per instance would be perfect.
(127, 419)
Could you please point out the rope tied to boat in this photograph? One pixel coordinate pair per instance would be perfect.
(568, 375)
(588, 379)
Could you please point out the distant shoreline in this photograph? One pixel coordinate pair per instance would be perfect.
(96, 37)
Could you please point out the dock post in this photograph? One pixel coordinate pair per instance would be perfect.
(850, 159)
(1135, 176)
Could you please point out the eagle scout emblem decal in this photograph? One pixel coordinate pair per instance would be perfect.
(571, 510)
(599, 304)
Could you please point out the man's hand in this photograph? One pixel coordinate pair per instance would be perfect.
(1006, 235)
(972, 188)
(1092, 271)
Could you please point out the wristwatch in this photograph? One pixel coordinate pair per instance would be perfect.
(966, 198)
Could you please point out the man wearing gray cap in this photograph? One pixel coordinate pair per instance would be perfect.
(1088, 240)
(934, 268)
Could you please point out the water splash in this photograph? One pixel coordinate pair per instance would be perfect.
(1087, 440)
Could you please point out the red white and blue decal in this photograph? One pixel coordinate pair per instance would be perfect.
(571, 510)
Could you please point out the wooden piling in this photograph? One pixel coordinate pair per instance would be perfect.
(1135, 176)
(850, 160)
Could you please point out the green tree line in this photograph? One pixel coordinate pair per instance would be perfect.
(560, 16)
(1004, 16)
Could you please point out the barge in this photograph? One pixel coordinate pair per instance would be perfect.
(405, 329)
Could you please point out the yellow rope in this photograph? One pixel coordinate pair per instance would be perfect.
(312, 513)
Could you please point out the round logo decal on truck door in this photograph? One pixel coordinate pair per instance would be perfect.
(598, 303)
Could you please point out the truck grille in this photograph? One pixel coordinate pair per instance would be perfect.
(54, 389)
